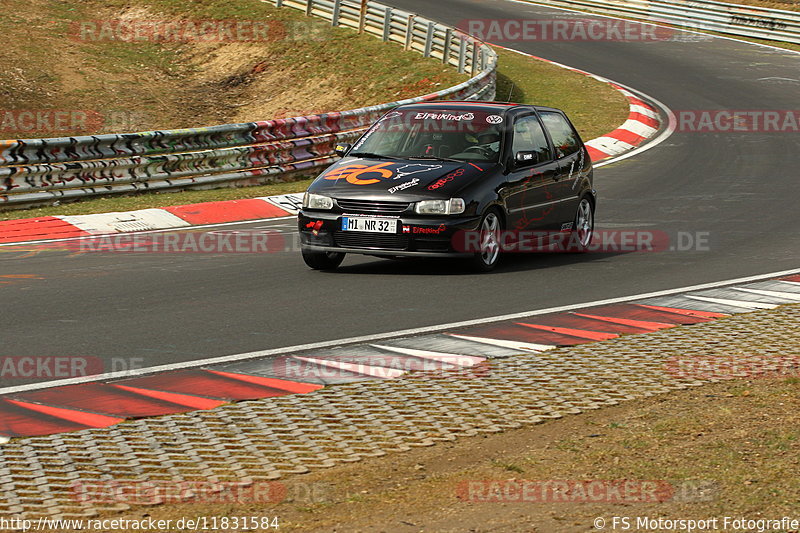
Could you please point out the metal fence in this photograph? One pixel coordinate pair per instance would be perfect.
(734, 19)
(35, 171)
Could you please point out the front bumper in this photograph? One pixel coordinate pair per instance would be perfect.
(415, 236)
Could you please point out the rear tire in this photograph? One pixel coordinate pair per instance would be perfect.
(323, 260)
(582, 226)
(487, 258)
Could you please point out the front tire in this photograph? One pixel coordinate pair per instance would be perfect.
(323, 260)
(488, 256)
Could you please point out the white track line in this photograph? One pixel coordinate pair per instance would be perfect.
(791, 296)
(382, 336)
(732, 303)
(442, 357)
(505, 343)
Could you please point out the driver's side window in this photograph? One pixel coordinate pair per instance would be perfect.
(529, 137)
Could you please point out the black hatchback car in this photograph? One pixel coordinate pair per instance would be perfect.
(470, 179)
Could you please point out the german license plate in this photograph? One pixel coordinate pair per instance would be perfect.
(373, 225)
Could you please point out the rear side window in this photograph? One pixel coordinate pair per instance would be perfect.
(529, 137)
(564, 137)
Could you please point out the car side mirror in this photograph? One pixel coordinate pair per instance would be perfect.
(526, 158)
(342, 148)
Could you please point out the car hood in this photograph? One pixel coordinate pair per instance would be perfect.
(398, 179)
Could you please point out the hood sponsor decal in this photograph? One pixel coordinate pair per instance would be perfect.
(357, 174)
(407, 170)
(403, 186)
(361, 174)
(439, 183)
(442, 182)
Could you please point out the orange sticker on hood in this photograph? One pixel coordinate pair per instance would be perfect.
(358, 174)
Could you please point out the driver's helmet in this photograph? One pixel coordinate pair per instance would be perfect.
(490, 139)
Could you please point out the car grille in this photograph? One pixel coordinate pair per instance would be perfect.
(359, 239)
(369, 206)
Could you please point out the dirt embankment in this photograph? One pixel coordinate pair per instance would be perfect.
(118, 66)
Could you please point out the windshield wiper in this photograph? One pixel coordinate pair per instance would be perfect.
(373, 155)
(432, 158)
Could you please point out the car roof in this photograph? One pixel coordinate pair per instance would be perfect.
(492, 107)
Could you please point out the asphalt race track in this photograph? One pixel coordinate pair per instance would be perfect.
(739, 189)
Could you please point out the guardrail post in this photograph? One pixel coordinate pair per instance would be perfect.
(409, 32)
(462, 56)
(387, 24)
(279, 3)
(448, 41)
(309, 7)
(429, 40)
(337, 8)
(475, 51)
(362, 18)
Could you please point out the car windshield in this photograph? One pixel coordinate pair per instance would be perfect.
(448, 134)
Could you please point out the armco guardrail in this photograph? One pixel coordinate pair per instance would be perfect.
(35, 171)
(734, 19)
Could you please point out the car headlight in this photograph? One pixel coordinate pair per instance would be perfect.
(317, 201)
(453, 206)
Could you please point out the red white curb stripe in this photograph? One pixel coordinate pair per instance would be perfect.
(643, 119)
(641, 125)
(176, 217)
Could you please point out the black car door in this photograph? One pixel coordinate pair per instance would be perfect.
(531, 190)
(570, 156)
